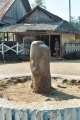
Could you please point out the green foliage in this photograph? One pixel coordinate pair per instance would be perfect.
(2, 85)
(69, 56)
(1, 36)
(72, 56)
(78, 56)
(76, 22)
(71, 82)
(1, 95)
(40, 3)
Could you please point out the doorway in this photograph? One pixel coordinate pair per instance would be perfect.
(52, 44)
(44, 38)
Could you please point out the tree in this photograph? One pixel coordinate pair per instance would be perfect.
(40, 3)
(76, 22)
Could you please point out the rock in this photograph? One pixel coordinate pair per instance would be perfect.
(40, 67)
(48, 99)
(65, 81)
(16, 80)
(73, 81)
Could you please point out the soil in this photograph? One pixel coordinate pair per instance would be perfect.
(21, 91)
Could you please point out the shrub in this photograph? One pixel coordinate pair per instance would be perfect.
(78, 56)
(1, 37)
(72, 56)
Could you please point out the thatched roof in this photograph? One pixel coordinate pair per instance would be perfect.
(26, 5)
(55, 24)
(6, 4)
(23, 27)
(62, 27)
(67, 27)
(50, 15)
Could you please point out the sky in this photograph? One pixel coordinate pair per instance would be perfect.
(61, 8)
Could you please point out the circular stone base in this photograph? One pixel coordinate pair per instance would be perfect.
(65, 106)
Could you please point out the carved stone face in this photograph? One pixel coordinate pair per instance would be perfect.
(39, 58)
(38, 63)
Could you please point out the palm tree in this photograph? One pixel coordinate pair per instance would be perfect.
(40, 3)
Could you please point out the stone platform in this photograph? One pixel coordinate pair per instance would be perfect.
(62, 110)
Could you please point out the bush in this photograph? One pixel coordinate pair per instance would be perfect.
(72, 56)
(1, 36)
(78, 56)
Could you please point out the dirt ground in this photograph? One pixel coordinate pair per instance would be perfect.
(65, 68)
(22, 92)
(61, 95)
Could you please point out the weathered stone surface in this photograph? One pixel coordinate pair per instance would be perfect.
(40, 67)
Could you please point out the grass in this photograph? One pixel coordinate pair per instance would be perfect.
(71, 82)
(1, 95)
(2, 85)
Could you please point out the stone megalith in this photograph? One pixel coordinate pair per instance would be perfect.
(40, 66)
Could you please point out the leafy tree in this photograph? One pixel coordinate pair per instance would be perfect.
(76, 22)
(40, 3)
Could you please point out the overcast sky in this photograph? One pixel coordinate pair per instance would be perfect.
(61, 8)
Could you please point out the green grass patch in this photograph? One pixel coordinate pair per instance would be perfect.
(2, 85)
(71, 82)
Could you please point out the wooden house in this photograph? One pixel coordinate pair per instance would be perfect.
(12, 10)
(39, 24)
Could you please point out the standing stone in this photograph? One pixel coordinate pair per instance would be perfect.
(40, 67)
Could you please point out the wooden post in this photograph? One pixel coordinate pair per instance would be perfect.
(69, 11)
(3, 49)
(49, 40)
(13, 37)
(63, 50)
(3, 45)
(17, 48)
(7, 36)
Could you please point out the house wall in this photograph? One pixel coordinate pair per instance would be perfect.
(15, 12)
(77, 39)
(66, 38)
(19, 36)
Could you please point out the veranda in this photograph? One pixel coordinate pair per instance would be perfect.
(18, 46)
(13, 48)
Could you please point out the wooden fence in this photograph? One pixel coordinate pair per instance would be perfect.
(17, 49)
(70, 48)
